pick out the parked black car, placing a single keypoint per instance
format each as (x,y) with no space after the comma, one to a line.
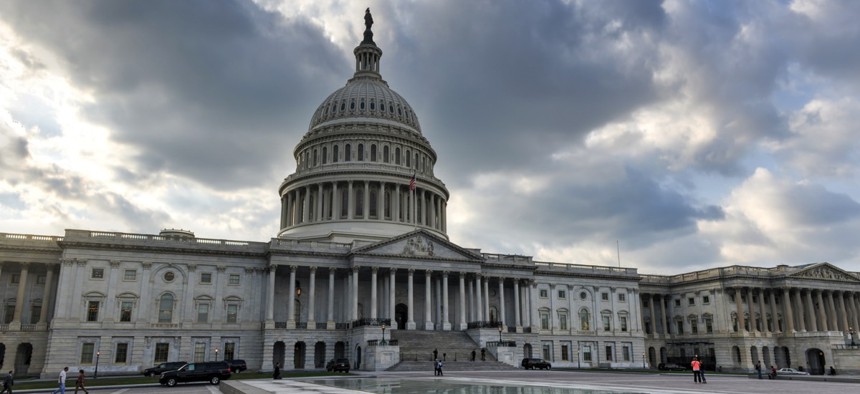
(671,367)
(339,365)
(536,363)
(163,367)
(237,365)
(213,372)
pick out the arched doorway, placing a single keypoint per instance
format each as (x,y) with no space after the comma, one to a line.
(2,353)
(527,350)
(299,355)
(787,355)
(358,357)
(815,360)
(493,314)
(22,358)
(652,356)
(339,350)
(319,355)
(765,355)
(278,353)
(662,355)
(400,315)
(754,355)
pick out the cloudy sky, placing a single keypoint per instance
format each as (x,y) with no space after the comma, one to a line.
(689,134)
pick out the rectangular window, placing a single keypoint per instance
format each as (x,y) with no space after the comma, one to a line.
(87,350)
(129,275)
(709,326)
(161,352)
(203,313)
(544,321)
(121,353)
(680,325)
(623,323)
(586,353)
(562,321)
(125,308)
(234,279)
(16,278)
(205,278)
(232,313)
(93,311)
(645,303)
(706,300)
(98,273)
(604,296)
(562,294)
(199,352)
(606,325)
(694,326)
(625,352)
(564,351)
(544,293)
(9,314)
(41,279)
(547,352)
(677,302)
(622,297)
(691,301)
(608,352)
(35,311)
(229,351)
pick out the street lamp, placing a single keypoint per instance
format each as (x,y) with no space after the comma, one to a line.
(96,373)
(851,333)
(383,335)
(216,354)
(643,361)
(500,334)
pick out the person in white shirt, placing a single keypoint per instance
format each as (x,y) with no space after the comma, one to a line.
(62,382)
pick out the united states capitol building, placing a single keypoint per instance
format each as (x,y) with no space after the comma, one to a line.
(362,268)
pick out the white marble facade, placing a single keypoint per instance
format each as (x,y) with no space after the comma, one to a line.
(363,242)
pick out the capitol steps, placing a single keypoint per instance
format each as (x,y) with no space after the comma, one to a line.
(453,347)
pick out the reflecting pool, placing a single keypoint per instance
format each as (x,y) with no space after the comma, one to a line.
(449,386)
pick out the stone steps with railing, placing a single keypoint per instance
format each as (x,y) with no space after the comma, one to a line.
(453,347)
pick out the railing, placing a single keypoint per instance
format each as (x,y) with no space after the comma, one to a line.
(428,356)
(28,327)
(153,237)
(321,326)
(341,326)
(377,342)
(371,322)
(593,269)
(31,237)
(845,347)
(527,330)
(502,344)
(281,324)
(302,324)
(165,325)
(484,324)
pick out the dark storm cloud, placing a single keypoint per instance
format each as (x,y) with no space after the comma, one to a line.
(213,90)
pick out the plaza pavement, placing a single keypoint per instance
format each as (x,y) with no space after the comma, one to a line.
(621,382)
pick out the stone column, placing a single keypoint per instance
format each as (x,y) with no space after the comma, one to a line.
(428,319)
(789,314)
(799,314)
(319,214)
(761,311)
(305,203)
(391,298)
(658,300)
(330,324)
(518,324)
(774,312)
(373,290)
(480,309)
(380,202)
(446,324)
(19,300)
(810,312)
(534,319)
(487,298)
(335,202)
(350,203)
(502,302)
(463,324)
(46,296)
(410,288)
(843,313)
(855,300)
(471,290)
(552,308)
(833,323)
(739,309)
(355,293)
(823,324)
(365,210)
(312,319)
(291,302)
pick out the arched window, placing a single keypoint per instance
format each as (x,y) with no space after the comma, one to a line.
(397,156)
(416,160)
(335,153)
(373,212)
(372,104)
(359,201)
(373,152)
(360,152)
(352,105)
(325,155)
(408,158)
(385,154)
(584,320)
(347,153)
(165,308)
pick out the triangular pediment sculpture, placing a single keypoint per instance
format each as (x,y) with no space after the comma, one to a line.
(418,244)
(827,272)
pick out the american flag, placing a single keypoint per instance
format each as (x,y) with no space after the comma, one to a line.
(412,183)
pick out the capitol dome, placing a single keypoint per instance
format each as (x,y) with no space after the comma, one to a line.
(364,170)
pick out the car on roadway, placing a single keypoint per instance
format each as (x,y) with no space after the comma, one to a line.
(535,363)
(339,365)
(237,365)
(163,367)
(790,371)
(213,372)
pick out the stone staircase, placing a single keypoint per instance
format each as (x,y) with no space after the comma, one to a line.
(453,347)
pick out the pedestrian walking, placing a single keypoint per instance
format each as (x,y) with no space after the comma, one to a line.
(62,382)
(772,374)
(8,382)
(439,366)
(436,367)
(473,354)
(758,368)
(277,373)
(79,382)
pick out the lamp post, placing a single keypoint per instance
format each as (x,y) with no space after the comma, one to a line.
(96,373)
(576,354)
(643,360)
(383,335)
(851,333)
(500,334)
(216,354)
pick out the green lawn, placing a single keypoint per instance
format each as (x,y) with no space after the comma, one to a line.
(137,380)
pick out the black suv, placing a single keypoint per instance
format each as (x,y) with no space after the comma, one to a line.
(213,372)
(539,363)
(237,365)
(339,365)
(163,367)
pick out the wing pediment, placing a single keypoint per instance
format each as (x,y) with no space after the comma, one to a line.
(827,272)
(418,244)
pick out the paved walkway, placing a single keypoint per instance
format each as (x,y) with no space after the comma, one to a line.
(622,382)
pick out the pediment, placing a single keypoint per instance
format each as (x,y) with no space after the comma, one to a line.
(418,244)
(825,271)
